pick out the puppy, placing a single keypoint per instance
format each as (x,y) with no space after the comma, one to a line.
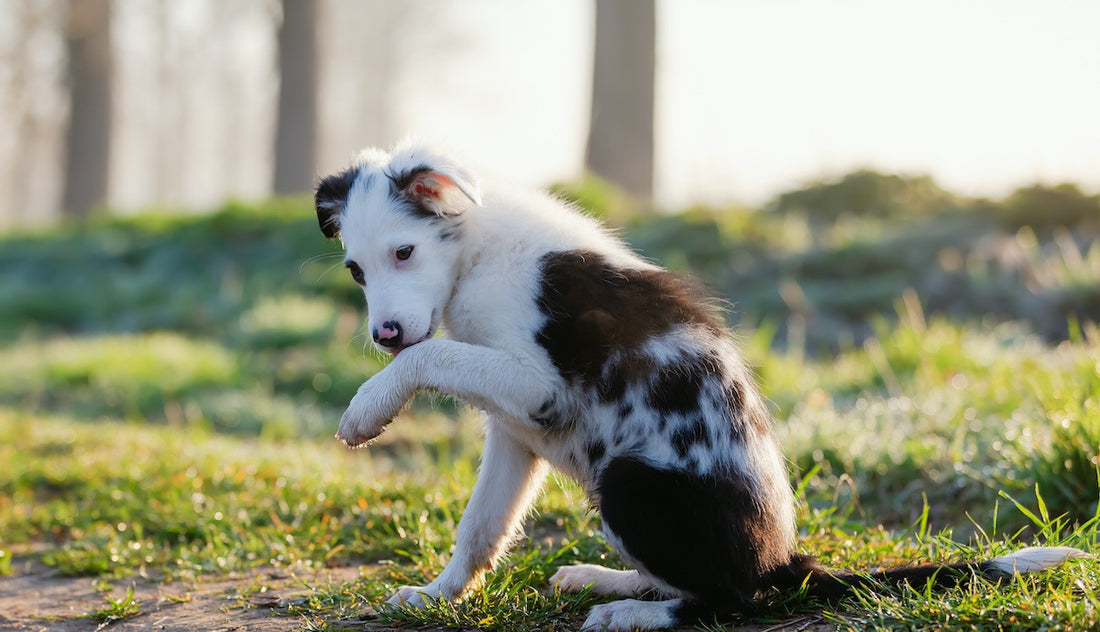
(589,360)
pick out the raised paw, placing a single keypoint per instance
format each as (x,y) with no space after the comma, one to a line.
(356,430)
(374,406)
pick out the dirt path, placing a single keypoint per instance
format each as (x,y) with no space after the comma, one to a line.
(36,598)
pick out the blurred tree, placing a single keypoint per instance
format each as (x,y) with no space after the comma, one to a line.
(620,136)
(866,193)
(1042,206)
(296,129)
(34,107)
(88,141)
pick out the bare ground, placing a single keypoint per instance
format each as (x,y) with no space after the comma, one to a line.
(37,598)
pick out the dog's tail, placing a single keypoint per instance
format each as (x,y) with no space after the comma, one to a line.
(829,584)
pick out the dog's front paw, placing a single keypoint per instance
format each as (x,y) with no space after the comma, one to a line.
(629,614)
(374,406)
(356,431)
(414,596)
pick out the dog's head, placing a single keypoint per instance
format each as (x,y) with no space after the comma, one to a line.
(400,218)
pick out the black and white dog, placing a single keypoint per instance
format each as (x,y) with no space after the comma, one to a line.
(589,360)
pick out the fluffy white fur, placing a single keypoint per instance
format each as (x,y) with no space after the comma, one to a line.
(1034,559)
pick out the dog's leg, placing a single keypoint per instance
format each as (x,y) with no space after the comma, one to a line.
(482,376)
(510,479)
(603,581)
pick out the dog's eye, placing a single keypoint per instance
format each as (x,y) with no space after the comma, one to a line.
(403,253)
(356,271)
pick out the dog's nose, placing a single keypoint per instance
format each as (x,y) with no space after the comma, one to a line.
(389,335)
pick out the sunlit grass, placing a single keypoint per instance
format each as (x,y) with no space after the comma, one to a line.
(117,609)
(115,499)
(925,429)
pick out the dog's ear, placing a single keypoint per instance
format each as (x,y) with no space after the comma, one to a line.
(438,192)
(433,182)
(330,198)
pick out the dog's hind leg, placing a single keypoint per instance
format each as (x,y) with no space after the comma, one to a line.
(509,481)
(603,581)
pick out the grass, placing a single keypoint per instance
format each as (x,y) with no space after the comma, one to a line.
(184,503)
(116,609)
(169,387)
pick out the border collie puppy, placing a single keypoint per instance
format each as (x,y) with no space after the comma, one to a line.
(589,360)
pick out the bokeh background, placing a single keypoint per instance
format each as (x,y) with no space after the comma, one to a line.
(130,104)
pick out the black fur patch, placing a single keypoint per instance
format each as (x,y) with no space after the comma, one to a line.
(731,403)
(625,371)
(331,198)
(689,435)
(676,387)
(755,418)
(625,409)
(596,450)
(708,538)
(593,309)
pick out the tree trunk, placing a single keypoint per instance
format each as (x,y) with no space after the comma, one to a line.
(88,141)
(295,134)
(620,137)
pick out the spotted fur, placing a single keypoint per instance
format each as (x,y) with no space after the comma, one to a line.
(589,360)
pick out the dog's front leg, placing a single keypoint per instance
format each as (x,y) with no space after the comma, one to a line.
(510,479)
(485,377)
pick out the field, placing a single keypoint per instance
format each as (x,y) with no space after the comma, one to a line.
(169,386)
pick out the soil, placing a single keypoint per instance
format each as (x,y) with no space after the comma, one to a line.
(37,598)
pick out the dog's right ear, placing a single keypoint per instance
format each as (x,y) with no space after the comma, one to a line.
(331,198)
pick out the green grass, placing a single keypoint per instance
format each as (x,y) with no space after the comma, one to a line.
(117,609)
(169,386)
(116,499)
(931,412)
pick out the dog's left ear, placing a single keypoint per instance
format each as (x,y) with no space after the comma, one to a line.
(433,182)
(331,198)
(439,192)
